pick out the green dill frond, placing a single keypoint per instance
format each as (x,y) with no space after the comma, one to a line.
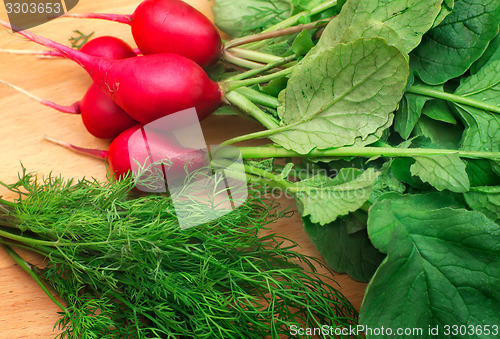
(125,268)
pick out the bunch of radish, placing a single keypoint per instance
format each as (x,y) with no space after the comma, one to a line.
(129,90)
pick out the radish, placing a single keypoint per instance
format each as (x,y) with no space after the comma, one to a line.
(146,87)
(170,26)
(108,47)
(141,146)
(104,46)
(100,115)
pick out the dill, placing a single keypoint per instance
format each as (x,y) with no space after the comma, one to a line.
(124,268)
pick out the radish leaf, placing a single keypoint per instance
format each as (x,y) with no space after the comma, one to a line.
(491,54)
(238,17)
(448,50)
(439,110)
(446,9)
(442,266)
(343,96)
(402,22)
(442,172)
(485,200)
(482,131)
(324,199)
(439,133)
(345,252)
(408,113)
(481,172)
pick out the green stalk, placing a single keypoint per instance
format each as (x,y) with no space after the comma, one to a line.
(255,135)
(254,55)
(243,103)
(430,92)
(261,173)
(229,86)
(257,71)
(26,240)
(265,35)
(226,56)
(259,97)
(366,152)
(253,174)
(7,203)
(39,249)
(36,242)
(293,21)
(27,268)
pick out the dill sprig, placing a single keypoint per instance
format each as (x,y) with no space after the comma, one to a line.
(124,268)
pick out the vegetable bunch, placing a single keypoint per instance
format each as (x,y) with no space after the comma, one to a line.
(390,111)
(124,268)
(393,109)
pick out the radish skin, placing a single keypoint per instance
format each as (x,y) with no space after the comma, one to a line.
(108,47)
(140,146)
(101,116)
(170,26)
(146,87)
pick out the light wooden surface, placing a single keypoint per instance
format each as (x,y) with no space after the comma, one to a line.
(25,311)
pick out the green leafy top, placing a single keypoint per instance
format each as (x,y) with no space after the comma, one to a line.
(449,49)
(346,95)
(442,265)
(240,17)
(402,23)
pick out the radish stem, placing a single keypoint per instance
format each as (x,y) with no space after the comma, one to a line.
(122,18)
(259,97)
(254,55)
(257,71)
(366,152)
(231,58)
(249,107)
(99,154)
(430,92)
(275,33)
(73,109)
(229,86)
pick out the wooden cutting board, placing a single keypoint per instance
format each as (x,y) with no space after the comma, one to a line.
(25,311)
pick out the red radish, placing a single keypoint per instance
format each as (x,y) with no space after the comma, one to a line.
(140,146)
(108,47)
(170,26)
(100,115)
(146,87)
(104,46)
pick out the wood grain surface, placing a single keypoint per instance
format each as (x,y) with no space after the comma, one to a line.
(25,311)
